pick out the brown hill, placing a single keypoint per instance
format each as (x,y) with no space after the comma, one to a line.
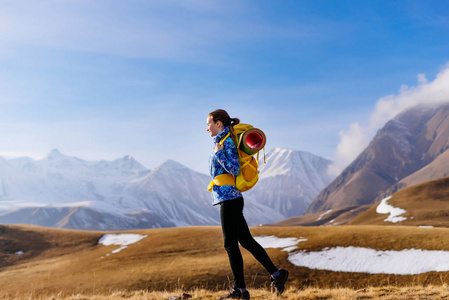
(425,204)
(331,217)
(67,262)
(415,140)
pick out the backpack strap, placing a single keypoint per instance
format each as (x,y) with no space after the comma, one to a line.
(224,139)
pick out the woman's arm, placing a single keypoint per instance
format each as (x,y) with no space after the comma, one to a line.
(228,157)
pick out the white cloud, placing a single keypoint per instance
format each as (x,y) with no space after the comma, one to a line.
(352,142)
(356,138)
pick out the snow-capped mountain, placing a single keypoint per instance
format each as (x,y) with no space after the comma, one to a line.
(56,178)
(67,192)
(290,180)
(175,192)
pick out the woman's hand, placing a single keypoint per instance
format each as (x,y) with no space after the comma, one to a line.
(218,147)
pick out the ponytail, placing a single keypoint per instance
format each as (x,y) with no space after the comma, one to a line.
(234,121)
(222,116)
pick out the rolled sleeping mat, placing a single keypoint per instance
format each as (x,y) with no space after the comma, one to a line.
(252,141)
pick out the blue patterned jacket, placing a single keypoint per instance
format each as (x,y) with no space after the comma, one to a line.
(221,162)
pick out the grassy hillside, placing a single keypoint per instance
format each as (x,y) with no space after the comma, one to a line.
(426,204)
(330,218)
(72,262)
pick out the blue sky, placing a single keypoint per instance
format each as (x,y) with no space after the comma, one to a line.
(103,79)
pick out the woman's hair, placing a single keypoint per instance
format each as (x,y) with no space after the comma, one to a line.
(222,116)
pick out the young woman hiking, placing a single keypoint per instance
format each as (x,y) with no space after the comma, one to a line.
(224,160)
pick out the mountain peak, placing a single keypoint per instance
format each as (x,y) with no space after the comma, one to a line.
(167,169)
(287,161)
(127,162)
(54,154)
(280,150)
(127,159)
(171,164)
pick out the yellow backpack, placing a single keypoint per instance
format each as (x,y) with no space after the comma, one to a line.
(249,142)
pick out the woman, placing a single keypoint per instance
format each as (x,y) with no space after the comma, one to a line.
(224,160)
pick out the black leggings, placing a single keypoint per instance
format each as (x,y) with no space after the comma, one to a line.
(235,230)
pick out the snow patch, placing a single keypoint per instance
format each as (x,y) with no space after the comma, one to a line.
(123,240)
(395,212)
(323,214)
(271,241)
(20,253)
(361,260)
(365,260)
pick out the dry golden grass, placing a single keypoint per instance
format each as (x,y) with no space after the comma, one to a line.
(67,264)
(374,293)
(71,262)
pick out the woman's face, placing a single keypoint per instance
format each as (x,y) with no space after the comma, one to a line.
(214,128)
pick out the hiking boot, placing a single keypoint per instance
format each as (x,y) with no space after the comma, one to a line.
(279,282)
(235,293)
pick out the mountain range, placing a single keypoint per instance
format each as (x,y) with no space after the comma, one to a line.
(68,192)
(411,148)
